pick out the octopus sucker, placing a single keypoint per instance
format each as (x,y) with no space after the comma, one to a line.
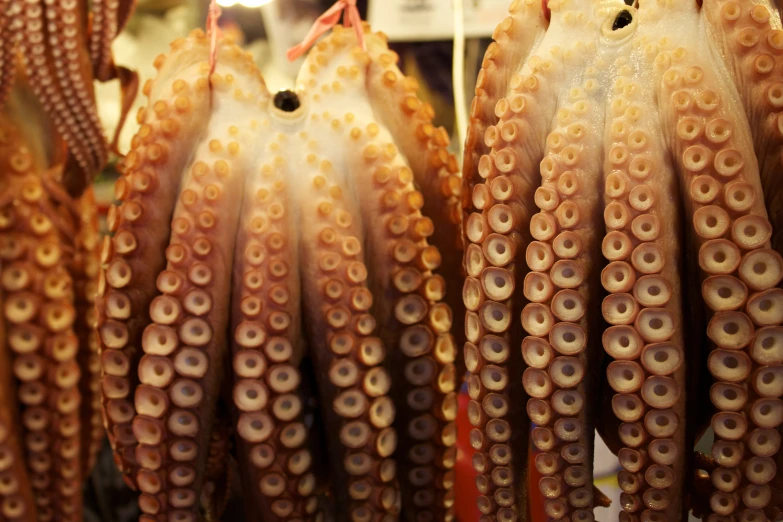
(435,171)
(554,312)
(7,53)
(267,348)
(638,131)
(86,267)
(108,20)
(70,103)
(646,336)
(280,224)
(692,92)
(147,195)
(48,277)
(750,39)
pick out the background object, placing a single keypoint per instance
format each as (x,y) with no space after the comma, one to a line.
(423,20)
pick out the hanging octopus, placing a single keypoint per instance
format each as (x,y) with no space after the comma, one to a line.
(623,217)
(280,287)
(51,145)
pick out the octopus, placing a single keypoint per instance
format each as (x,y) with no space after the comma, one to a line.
(51,145)
(281,289)
(623,219)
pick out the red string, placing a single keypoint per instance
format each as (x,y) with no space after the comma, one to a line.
(328,20)
(212,30)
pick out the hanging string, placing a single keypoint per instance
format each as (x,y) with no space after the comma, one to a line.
(213,29)
(458,73)
(328,20)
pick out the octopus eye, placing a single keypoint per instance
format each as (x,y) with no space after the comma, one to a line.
(287,101)
(623,19)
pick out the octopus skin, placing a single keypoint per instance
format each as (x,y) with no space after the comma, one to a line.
(259,235)
(620,165)
(50,422)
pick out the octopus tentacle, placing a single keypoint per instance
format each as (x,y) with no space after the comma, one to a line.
(503,223)
(513,40)
(423,308)
(108,19)
(720,180)
(392,259)
(86,267)
(752,40)
(8,56)
(435,171)
(414,324)
(39,314)
(345,343)
(563,307)
(141,227)
(182,367)
(363,402)
(60,76)
(267,348)
(645,339)
(16,500)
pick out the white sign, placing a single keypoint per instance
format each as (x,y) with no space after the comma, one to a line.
(416,20)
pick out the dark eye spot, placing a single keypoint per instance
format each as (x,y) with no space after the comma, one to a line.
(288,101)
(623,19)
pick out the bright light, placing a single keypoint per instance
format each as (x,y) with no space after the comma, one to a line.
(244,3)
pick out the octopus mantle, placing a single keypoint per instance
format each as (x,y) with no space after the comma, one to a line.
(258,236)
(623,198)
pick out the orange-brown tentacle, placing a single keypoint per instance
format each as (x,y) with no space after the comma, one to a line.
(267,349)
(435,172)
(725,212)
(8,56)
(60,76)
(15,276)
(108,19)
(85,269)
(40,315)
(140,223)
